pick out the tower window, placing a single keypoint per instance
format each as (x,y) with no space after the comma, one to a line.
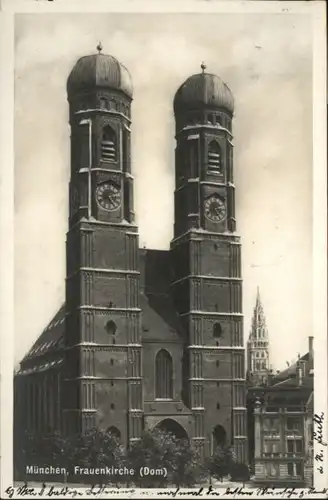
(108,144)
(217,406)
(163,375)
(112,406)
(110,327)
(214,156)
(112,362)
(217,364)
(210,118)
(103,103)
(217,330)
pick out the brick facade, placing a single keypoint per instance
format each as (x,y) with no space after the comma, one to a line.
(124,304)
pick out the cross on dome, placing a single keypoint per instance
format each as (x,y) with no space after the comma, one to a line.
(203,66)
(99,47)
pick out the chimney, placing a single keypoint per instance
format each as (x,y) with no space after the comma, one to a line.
(310,352)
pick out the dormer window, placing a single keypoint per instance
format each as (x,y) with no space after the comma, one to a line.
(108,144)
(214,157)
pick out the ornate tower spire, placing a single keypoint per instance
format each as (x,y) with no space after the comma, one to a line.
(258,345)
(259,329)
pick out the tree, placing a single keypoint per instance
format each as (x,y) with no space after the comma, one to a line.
(161,450)
(187,467)
(98,449)
(153,451)
(221,462)
(240,472)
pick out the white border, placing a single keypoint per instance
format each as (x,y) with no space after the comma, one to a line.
(9,8)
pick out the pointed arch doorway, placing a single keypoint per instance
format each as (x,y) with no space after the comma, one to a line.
(172,426)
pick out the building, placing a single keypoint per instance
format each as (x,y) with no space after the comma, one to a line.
(258,367)
(283,426)
(146,337)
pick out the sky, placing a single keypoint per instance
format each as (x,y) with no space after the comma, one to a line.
(266,60)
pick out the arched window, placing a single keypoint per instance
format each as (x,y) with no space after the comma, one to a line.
(163,375)
(262,354)
(110,327)
(263,366)
(214,156)
(108,144)
(217,330)
(103,103)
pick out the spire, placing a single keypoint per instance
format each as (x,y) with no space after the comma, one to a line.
(259,329)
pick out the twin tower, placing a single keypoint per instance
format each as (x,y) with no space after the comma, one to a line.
(152,338)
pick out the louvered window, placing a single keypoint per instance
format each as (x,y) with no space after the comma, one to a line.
(214,157)
(108,144)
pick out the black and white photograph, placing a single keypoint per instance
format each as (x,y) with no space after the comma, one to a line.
(168,231)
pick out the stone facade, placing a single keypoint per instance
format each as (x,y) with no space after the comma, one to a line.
(283,427)
(147,337)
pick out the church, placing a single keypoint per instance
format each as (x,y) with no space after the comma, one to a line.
(145,337)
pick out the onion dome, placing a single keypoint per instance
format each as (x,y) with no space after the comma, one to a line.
(203,89)
(99,71)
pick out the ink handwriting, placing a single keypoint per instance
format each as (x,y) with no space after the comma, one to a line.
(317,434)
(208,491)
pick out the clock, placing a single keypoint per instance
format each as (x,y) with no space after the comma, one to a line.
(108,196)
(215,208)
(75,200)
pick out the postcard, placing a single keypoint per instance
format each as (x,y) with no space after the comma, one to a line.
(163,249)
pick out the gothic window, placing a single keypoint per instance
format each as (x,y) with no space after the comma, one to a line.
(108,144)
(214,156)
(103,103)
(163,375)
(110,327)
(210,118)
(217,330)
(192,146)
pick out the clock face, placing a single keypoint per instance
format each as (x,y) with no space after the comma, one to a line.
(108,196)
(75,201)
(215,209)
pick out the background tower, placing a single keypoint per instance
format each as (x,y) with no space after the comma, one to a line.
(258,366)
(206,253)
(102,381)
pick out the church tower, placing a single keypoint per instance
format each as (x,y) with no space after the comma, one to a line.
(102,384)
(206,252)
(258,346)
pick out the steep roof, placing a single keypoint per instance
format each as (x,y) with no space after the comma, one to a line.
(160,321)
(51,339)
